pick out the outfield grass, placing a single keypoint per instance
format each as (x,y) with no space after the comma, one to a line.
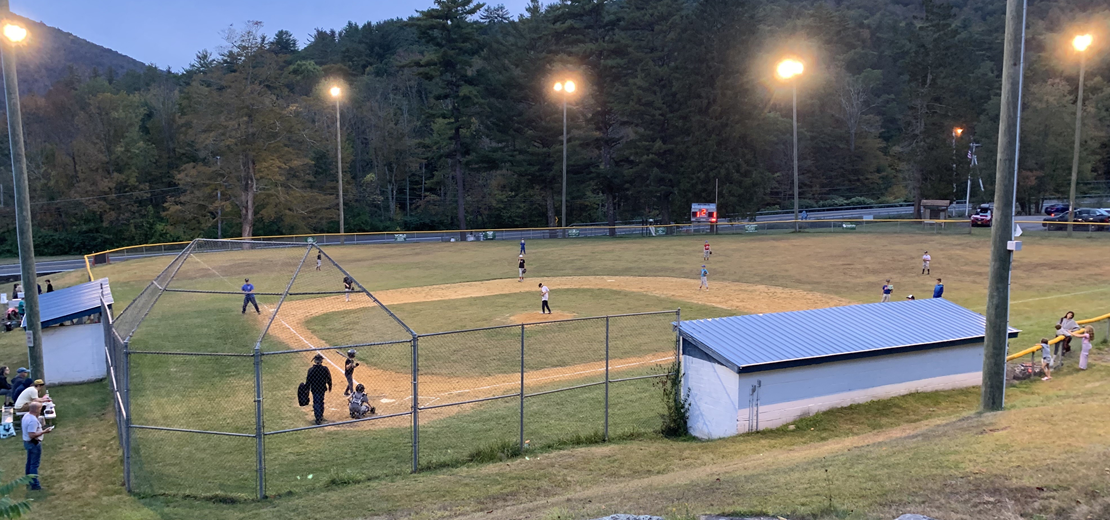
(923,452)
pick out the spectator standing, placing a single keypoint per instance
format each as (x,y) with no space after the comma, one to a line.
(39,287)
(1087,335)
(49,286)
(319,382)
(248,296)
(349,371)
(520,269)
(887,289)
(938,289)
(925,259)
(33,433)
(1068,324)
(544,292)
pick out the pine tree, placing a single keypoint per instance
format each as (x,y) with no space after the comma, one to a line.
(452,42)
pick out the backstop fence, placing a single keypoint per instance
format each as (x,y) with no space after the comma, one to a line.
(207,400)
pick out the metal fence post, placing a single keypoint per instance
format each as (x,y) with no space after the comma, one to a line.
(606,431)
(126,416)
(415,404)
(521,388)
(261,451)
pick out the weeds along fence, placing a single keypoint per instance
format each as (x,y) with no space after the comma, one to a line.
(858,226)
(206,387)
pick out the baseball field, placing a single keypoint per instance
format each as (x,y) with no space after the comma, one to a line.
(438,287)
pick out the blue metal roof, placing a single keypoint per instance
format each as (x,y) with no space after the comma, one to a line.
(806,337)
(72,302)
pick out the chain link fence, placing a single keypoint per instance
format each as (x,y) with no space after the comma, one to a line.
(734,227)
(206,379)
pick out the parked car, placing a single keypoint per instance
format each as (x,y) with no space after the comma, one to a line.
(1053,210)
(1082,215)
(982,216)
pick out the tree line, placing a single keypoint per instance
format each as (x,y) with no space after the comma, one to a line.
(449,119)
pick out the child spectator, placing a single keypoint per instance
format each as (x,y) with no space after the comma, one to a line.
(1087,334)
(1046,360)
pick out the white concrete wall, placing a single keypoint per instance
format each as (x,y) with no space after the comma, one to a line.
(712,390)
(74,354)
(788,394)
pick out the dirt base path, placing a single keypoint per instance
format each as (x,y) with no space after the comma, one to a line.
(392,391)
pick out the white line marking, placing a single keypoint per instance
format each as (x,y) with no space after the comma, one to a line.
(1061,295)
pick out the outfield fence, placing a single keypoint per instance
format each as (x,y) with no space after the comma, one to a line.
(852,225)
(206,398)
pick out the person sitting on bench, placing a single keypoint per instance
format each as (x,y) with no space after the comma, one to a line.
(30,395)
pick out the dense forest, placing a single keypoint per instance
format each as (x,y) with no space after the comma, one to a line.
(449,119)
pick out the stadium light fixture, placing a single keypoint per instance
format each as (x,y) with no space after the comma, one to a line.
(336,91)
(567,88)
(788,70)
(14,32)
(1081,43)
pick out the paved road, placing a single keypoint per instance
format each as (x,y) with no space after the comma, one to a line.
(50,266)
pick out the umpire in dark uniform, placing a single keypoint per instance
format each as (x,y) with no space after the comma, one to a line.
(318,381)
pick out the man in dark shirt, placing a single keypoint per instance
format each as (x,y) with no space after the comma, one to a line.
(349,372)
(49,286)
(318,381)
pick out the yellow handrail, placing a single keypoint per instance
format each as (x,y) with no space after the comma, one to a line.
(1093,320)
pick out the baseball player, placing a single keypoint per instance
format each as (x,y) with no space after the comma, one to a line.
(707,252)
(522,247)
(887,289)
(319,260)
(348,285)
(349,366)
(704,278)
(248,296)
(544,307)
(925,259)
(520,269)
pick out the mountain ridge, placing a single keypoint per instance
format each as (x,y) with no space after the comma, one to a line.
(48,54)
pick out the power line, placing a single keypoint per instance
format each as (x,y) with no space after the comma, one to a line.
(44,202)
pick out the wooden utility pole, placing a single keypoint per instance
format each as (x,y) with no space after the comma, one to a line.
(1002,229)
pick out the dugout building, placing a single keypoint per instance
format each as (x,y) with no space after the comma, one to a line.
(72,336)
(746,373)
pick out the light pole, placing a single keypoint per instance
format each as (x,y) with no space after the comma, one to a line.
(1080,43)
(335,92)
(566,88)
(13,35)
(789,69)
(957,132)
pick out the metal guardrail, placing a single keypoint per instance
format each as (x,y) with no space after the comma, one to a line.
(1036,348)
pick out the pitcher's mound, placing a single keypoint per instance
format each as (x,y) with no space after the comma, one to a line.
(532,317)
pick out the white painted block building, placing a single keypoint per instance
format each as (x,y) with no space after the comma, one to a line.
(72,333)
(746,373)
